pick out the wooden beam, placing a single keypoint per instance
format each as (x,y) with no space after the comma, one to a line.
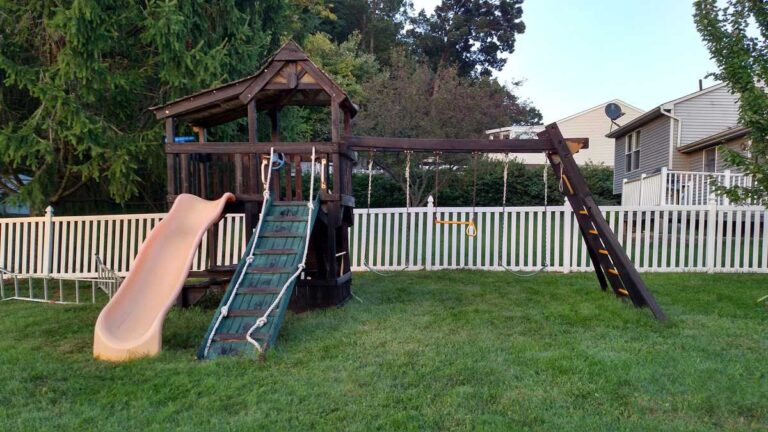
(303,148)
(199,100)
(449,145)
(261,80)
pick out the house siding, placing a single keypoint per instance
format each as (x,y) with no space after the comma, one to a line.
(654,152)
(707,114)
(697,157)
(594,125)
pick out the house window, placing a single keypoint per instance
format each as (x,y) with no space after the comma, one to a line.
(710,160)
(632,151)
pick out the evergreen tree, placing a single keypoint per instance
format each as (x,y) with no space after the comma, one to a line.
(76,80)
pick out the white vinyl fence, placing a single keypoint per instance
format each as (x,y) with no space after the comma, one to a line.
(668,239)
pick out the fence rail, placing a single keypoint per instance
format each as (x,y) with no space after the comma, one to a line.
(707,238)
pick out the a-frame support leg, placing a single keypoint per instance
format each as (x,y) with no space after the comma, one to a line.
(609,258)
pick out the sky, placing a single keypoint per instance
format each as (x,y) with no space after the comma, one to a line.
(578,54)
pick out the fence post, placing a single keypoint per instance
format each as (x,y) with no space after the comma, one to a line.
(642,182)
(429,226)
(664,187)
(711,240)
(727,181)
(567,235)
(48,241)
(623,192)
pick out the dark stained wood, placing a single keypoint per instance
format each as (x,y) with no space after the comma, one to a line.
(302,148)
(170,136)
(290,51)
(197,101)
(449,145)
(622,274)
(260,81)
(299,178)
(253,129)
(249,312)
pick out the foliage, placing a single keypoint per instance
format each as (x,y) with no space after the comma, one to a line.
(525,185)
(77,80)
(412,101)
(451,350)
(736,33)
(471,35)
(380,24)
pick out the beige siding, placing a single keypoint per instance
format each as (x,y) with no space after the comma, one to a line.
(654,152)
(592,124)
(707,114)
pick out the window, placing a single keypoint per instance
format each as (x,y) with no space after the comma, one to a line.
(710,159)
(632,151)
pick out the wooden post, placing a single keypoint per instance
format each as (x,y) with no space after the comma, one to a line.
(335,116)
(275,137)
(170,137)
(253,138)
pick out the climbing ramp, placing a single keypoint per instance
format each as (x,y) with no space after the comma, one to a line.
(275,263)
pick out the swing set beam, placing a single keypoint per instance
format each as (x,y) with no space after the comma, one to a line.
(389,144)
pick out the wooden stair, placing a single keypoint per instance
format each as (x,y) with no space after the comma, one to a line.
(278,253)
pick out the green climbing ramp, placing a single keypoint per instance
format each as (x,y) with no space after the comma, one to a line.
(279,250)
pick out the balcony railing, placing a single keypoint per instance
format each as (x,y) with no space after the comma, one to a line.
(680,188)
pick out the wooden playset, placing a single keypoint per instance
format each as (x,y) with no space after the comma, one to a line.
(298,255)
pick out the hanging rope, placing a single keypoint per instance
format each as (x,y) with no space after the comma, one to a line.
(224,311)
(261,322)
(407,211)
(545,225)
(471,227)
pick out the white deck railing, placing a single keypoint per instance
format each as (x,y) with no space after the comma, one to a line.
(679,188)
(708,238)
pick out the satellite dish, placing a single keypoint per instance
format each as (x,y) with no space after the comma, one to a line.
(613,111)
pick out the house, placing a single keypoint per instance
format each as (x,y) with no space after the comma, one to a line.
(11,210)
(662,155)
(591,123)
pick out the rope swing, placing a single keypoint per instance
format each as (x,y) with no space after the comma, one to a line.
(408,154)
(545,225)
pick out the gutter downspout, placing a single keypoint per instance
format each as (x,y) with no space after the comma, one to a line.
(672,132)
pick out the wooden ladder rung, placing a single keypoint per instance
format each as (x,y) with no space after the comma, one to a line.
(603,251)
(583,211)
(262,290)
(622,291)
(270,270)
(276,252)
(281,234)
(289,203)
(613,271)
(286,219)
(239,337)
(249,312)
(593,231)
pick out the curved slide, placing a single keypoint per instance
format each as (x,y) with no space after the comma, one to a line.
(131,324)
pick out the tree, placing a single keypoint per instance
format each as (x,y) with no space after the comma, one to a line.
(405,102)
(736,35)
(348,66)
(380,24)
(471,35)
(76,81)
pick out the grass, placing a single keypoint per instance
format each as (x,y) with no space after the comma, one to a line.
(424,351)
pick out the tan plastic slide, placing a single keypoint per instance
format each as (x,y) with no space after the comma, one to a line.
(131,324)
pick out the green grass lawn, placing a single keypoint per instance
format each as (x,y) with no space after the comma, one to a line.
(424,351)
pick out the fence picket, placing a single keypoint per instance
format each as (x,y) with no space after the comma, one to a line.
(668,238)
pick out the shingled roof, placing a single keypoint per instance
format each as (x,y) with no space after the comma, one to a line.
(289,77)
